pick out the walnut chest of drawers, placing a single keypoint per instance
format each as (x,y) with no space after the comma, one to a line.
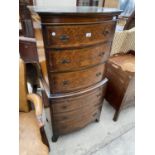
(77,44)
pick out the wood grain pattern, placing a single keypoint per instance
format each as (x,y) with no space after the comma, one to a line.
(77,44)
(50,15)
(73,59)
(71,116)
(72,113)
(78,35)
(72,19)
(71,81)
(72,103)
(77,125)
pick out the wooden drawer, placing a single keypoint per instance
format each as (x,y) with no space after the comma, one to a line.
(71,81)
(75,112)
(58,36)
(78,102)
(72,59)
(75,115)
(76,124)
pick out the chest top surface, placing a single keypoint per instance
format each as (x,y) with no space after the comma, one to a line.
(74,10)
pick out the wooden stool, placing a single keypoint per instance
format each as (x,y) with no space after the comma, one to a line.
(120,71)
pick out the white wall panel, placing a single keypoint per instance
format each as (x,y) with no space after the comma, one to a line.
(57,3)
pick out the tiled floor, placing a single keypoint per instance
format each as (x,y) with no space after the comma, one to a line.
(103,138)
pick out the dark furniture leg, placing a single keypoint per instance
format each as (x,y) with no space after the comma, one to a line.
(55,138)
(98,115)
(116,115)
(98,118)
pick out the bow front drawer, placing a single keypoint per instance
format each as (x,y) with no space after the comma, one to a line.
(77,123)
(72,113)
(72,59)
(91,99)
(71,81)
(58,36)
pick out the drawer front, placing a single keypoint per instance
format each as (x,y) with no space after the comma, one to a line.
(78,35)
(74,103)
(76,114)
(77,111)
(70,81)
(62,127)
(60,60)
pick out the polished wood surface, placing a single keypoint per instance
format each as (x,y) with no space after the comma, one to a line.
(72,103)
(73,113)
(72,15)
(73,59)
(45,86)
(69,36)
(77,36)
(76,80)
(77,43)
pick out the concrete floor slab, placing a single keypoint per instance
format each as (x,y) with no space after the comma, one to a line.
(94,136)
(123,145)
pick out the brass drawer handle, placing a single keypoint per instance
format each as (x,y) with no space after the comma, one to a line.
(101,54)
(106,32)
(64,107)
(65,82)
(65,61)
(64,37)
(65,117)
(98,74)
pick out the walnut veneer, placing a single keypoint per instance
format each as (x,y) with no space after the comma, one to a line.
(77,44)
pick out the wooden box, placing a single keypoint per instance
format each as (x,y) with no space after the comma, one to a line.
(28,49)
(120,71)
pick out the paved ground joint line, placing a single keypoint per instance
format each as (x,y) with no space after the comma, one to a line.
(103,146)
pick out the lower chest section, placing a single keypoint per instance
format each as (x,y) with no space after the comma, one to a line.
(72,113)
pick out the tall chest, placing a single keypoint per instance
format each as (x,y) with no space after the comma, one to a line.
(77,44)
